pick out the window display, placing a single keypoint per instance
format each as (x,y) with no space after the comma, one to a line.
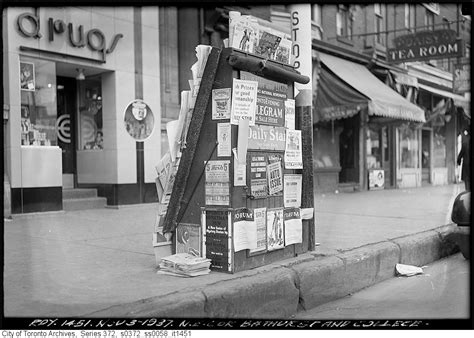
(91,135)
(409,147)
(374,154)
(439,147)
(38,102)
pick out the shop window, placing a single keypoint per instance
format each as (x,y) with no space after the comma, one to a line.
(326,146)
(409,148)
(374,151)
(38,102)
(439,147)
(90,115)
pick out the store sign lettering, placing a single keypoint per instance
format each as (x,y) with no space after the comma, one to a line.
(426,45)
(29,26)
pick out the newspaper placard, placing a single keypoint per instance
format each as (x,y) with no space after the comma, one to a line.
(275,179)
(217,193)
(244,101)
(258,174)
(217,239)
(217,183)
(260,216)
(266,137)
(293,226)
(223,140)
(271,96)
(217,171)
(245,231)
(290,117)
(293,150)
(221,103)
(292,190)
(275,237)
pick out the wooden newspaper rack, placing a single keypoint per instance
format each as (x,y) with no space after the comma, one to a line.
(198,203)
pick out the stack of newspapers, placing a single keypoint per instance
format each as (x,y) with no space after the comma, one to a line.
(184,265)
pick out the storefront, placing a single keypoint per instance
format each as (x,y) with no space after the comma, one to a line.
(69,75)
(365,133)
(444,123)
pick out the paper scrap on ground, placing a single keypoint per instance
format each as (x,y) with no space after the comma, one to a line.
(408,270)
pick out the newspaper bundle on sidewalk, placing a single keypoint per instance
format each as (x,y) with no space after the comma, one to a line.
(184,265)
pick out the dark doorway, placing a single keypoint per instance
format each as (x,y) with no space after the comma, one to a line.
(348,150)
(425,156)
(66,126)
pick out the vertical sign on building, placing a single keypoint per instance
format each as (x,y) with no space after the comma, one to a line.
(301,49)
(303,63)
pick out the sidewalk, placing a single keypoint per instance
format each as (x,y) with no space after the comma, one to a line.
(101,262)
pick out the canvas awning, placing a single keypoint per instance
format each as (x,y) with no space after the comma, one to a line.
(361,88)
(458,100)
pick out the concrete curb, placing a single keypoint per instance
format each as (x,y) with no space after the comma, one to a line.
(282,289)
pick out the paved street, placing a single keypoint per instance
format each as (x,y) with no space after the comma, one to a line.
(442,292)
(77,262)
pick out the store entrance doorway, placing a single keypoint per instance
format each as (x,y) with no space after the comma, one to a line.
(425,156)
(66,127)
(387,155)
(348,150)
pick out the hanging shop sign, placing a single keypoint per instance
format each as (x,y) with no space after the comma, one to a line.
(426,45)
(29,26)
(462,78)
(139,120)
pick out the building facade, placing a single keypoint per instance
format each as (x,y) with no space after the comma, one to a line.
(67,128)
(411,153)
(74,77)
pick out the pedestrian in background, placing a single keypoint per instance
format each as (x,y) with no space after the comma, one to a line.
(465,155)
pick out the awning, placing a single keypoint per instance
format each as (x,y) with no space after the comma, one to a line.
(335,99)
(405,79)
(381,99)
(459,100)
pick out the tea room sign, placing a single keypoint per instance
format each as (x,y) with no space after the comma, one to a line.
(425,45)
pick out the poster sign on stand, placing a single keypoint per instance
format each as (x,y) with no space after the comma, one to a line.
(217,238)
(376,179)
(275,235)
(244,101)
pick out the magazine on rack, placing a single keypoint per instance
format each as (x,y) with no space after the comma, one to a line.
(249,36)
(245,34)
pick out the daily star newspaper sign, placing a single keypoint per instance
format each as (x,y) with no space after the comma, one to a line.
(425,45)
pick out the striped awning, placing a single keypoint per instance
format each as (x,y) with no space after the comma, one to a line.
(380,99)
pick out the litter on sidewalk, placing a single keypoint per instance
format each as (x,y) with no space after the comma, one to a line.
(184,265)
(408,270)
